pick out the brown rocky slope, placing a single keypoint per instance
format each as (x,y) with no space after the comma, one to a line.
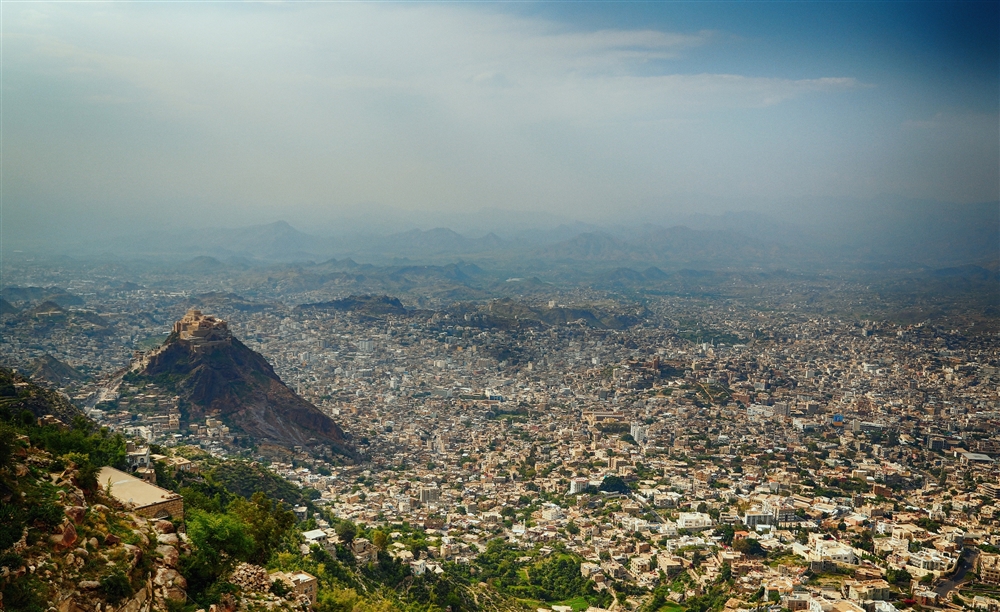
(222,376)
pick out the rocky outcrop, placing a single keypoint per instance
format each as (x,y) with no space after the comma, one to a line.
(241,387)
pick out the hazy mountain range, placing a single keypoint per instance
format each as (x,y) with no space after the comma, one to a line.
(890,234)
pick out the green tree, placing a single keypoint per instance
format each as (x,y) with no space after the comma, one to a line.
(380,539)
(346,531)
(726,573)
(749,547)
(219,541)
(86,471)
(267,522)
(899,577)
(727,532)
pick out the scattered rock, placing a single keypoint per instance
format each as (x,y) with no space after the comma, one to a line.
(112,540)
(226,604)
(88,585)
(76,513)
(22,544)
(67,538)
(166,576)
(76,498)
(92,542)
(251,578)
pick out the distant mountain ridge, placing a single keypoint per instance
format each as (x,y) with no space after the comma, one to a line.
(367,304)
(814,234)
(28,295)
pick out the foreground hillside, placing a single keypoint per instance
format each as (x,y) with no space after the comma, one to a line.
(62,541)
(66,541)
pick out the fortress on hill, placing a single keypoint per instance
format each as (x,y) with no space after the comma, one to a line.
(195,330)
(202,331)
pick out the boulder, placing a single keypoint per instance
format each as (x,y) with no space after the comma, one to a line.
(67,538)
(112,540)
(136,553)
(168,538)
(88,585)
(76,513)
(168,577)
(174,593)
(164,526)
(169,554)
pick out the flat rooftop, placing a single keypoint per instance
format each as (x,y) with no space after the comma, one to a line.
(132,490)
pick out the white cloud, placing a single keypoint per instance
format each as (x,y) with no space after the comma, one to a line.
(422,105)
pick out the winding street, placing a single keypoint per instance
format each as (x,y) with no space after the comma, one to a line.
(965,563)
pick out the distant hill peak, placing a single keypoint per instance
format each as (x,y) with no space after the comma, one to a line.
(8,308)
(47,307)
(50,369)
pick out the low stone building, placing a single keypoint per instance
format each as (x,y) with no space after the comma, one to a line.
(301,583)
(139,496)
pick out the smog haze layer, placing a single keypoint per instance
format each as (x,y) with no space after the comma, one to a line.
(380,118)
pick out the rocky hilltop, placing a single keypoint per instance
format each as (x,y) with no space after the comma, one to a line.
(217,375)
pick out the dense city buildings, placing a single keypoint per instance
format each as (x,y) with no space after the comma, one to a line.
(819,461)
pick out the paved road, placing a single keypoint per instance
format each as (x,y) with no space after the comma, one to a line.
(965,563)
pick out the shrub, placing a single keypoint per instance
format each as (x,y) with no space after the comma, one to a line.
(116,587)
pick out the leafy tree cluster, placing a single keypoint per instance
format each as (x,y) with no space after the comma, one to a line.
(749,547)
(250,530)
(554,578)
(898,577)
(615,484)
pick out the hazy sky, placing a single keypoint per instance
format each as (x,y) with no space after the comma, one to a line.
(247,112)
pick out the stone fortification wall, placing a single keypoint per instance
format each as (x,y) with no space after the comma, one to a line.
(202,330)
